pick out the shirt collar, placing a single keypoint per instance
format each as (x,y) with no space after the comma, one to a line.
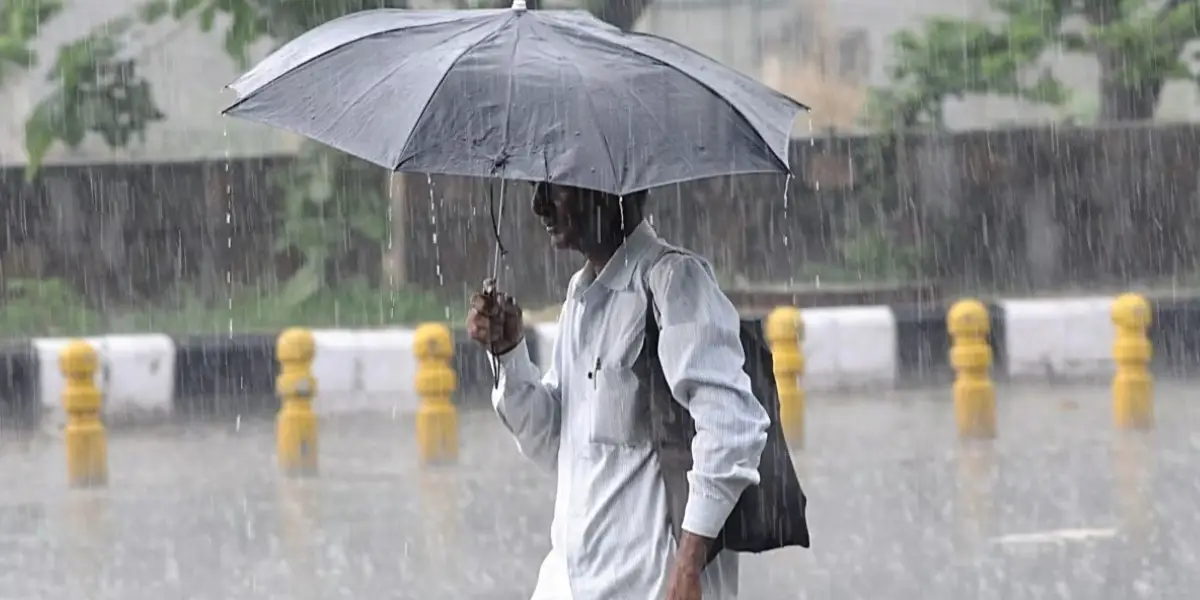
(617,274)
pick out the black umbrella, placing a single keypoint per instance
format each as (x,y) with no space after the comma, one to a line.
(553,96)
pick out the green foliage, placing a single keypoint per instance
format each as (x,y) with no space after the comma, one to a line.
(20,21)
(52,308)
(874,253)
(1139,45)
(45,307)
(351,304)
(328,198)
(99,90)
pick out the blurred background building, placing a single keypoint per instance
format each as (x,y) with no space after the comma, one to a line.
(827,54)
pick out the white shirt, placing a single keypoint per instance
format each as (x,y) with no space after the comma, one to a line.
(586,419)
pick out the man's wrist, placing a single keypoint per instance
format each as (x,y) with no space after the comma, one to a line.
(507,352)
(692,553)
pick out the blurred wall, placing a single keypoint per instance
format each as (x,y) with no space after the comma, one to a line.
(1018,210)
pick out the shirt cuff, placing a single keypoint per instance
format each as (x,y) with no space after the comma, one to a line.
(516,364)
(705,516)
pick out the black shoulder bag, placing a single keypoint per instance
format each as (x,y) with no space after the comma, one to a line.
(769,515)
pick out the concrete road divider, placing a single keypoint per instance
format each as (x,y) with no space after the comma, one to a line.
(1058,339)
(875,347)
(225,375)
(20,399)
(365,371)
(850,348)
(136,373)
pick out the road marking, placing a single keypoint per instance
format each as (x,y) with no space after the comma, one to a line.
(1055,536)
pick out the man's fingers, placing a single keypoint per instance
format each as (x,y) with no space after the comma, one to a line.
(503,301)
(483,303)
(486,329)
(492,317)
(507,305)
(479,326)
(496,330)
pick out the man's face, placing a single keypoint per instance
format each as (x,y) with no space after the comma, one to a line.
(571,216)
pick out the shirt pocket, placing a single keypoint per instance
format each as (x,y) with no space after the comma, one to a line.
(618,413)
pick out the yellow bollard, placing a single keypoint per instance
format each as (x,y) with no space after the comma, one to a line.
(1132,386)
(85,436)
(437,419)
(971,357)
(296,426)
(785,334)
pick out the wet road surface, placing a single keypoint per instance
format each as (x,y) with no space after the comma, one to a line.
(1058,507)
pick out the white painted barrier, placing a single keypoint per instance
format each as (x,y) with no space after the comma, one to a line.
(374,370)
(849,348)
(136,372)
(844,348)
(1058,339)
(365,371)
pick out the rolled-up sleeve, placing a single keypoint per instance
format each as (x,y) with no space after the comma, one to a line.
(703,361)
(529,404)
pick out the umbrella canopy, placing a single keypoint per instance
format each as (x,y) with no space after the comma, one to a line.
(556,96)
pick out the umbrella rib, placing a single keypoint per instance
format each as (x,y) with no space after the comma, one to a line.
(387,75)
(322,54)
(661,127)
(607,42)
(612,163)
(396,161)
(512,83)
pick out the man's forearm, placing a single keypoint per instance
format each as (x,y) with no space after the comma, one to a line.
(730,435)
(701,328)
(692,553)
(528,408)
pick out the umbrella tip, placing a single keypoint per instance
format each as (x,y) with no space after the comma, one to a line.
(518,5)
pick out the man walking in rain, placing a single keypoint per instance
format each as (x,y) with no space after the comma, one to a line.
(587,418)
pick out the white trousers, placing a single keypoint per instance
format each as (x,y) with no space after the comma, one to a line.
(719,579)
